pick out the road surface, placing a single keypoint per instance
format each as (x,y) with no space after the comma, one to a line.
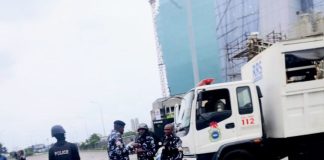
(85,155)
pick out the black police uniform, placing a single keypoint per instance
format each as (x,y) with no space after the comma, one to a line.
(116,147)
(64,151)
(2,157)
(147,144)
(172,144)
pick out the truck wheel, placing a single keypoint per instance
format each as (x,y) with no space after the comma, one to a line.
(238,155)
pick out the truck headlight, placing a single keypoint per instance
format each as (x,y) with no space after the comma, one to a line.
(186,150)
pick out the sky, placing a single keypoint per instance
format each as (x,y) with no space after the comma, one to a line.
(74,63)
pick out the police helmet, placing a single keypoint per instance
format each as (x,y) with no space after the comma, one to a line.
(57,129)
(120,123)
(142,126)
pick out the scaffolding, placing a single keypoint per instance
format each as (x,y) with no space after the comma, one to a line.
(237,31)
(244,48)
(161,65)
(236,19)
(253,45)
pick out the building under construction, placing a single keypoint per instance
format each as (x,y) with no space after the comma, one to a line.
(247,27)
(214,38)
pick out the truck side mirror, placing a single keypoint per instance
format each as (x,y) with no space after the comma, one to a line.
(199,101)
(259,92)
(200,98)
(176,113)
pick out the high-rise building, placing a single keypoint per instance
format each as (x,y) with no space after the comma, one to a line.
(236,19)
(187,42)
(134,124)
(198,39)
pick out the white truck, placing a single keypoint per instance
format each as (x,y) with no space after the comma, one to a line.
(276,111)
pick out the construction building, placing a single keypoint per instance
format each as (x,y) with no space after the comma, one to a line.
(214,38)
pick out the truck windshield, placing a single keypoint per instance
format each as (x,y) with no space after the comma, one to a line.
(185,114)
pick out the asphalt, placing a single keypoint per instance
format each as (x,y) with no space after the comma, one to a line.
(85,155)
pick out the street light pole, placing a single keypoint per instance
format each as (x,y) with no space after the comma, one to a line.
(102,121)
(101,117)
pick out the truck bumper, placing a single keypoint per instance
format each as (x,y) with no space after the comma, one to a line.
(189,157)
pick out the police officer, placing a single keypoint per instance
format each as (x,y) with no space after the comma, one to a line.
(62,150)
(2,157)
(172,149)
(116,147)
(21,155)
(144,143)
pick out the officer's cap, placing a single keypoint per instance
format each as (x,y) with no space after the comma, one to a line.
(120,123)
(142,126)
(57,129)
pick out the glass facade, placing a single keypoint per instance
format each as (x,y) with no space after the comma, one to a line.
(175,30)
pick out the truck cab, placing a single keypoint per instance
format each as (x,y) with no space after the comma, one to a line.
(215,116)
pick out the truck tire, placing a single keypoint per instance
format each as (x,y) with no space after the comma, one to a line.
(238,155)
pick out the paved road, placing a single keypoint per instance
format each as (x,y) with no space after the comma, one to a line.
(88,155)
(85,155)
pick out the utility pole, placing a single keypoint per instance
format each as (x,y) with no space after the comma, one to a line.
(101,117)
(102,121)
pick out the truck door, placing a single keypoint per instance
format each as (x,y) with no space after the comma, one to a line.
(249,125)
(215,123)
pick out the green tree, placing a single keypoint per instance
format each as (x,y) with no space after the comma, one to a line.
(83,146)
(2,149)
(29,151)
(129,133)
(91,142)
